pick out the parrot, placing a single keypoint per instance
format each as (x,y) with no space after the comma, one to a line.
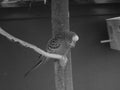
(60,44)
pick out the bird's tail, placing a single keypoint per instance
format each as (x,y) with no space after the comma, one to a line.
(42,60)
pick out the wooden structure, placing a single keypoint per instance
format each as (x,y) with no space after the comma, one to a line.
(113,25)
(60,21)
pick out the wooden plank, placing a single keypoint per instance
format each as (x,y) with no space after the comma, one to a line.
(60,22)
(113,25)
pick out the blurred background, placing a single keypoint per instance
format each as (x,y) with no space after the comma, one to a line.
(95,66)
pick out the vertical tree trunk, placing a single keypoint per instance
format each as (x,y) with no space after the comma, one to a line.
(60,22)
(60,15)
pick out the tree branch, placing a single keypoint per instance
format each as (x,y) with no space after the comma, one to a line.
(31,46)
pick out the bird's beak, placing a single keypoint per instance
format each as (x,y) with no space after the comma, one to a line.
(75,39)
(73,44)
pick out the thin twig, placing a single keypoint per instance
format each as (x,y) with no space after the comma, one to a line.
(105,41)
(31,46)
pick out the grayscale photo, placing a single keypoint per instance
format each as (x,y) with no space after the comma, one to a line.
(59,44)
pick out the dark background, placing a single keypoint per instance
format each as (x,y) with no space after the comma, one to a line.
(95,65)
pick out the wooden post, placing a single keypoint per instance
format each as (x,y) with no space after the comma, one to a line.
(60,22)
(113,25)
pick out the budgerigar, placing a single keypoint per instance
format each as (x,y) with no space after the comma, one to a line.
(60,44)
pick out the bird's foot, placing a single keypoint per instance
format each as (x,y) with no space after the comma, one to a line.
(63,61)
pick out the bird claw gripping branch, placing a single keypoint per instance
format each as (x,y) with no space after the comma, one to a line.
(63,61)
(60,44)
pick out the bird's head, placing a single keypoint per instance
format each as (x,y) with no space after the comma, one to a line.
(74,39)
(69,37)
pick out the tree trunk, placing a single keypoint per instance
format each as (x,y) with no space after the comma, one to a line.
(60,22)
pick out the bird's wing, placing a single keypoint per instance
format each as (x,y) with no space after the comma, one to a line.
(54,46)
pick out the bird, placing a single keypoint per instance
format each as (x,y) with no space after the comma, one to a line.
(60,44)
